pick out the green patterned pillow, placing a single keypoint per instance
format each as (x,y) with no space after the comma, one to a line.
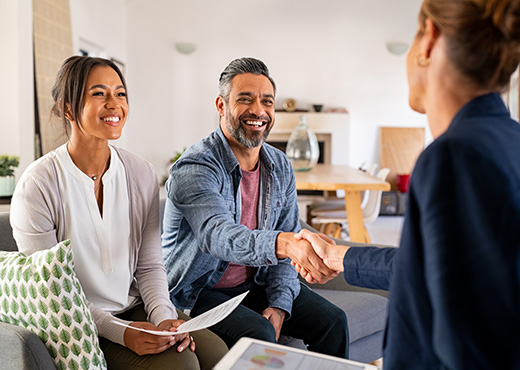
(42,293)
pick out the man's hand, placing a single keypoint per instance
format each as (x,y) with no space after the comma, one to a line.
(331,254)
(301,253)
(276,317)
(144,343)
(185,338)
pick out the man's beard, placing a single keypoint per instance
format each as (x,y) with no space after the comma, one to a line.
(239,133)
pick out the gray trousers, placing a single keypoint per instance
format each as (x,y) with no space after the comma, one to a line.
(209,350)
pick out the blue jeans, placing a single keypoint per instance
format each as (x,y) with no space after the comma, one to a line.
(321,325)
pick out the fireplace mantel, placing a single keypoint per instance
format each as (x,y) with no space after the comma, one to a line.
(325,125)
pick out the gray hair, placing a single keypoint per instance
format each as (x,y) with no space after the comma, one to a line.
(240,66)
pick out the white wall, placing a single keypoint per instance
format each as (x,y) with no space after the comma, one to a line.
(16,71)
(331,52)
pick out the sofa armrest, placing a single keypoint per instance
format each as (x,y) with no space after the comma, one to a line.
(21,349)
(339,283)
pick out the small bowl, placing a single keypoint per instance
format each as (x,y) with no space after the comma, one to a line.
(317,107)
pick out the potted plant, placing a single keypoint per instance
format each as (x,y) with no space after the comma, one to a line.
(170,162)
(7,165)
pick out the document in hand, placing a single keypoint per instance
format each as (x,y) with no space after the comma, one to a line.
(202,321)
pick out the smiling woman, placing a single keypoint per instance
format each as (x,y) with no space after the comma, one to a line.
(105,200)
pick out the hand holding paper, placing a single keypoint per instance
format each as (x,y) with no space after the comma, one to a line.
(203,321)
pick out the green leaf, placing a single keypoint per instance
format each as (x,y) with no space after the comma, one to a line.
(65,336)
(51,349)
(61,254)
(10,274)
(49,256)
(77,316)
(55,288)
(43,307)
(54,321)
(54,306)
(5,305)
(66,303)
(54,336)
(23,291)
(33,291)
(33,307)
(46,273)
(61,365)
(77,299)
(73,365)
(44,323)
(75,349)
(44,291)
(7,291)
(87,330)
(85,363)
(33,322)
(66,319)
(87,346)
(24,308)
(14,289)
(57,271)
(76,334)
(15,307)
(44,336)
(66,285)
(27,274)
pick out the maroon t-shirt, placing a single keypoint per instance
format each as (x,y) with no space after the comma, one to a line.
(249,191)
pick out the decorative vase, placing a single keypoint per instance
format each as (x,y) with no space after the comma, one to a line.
(302,148)
(6,186)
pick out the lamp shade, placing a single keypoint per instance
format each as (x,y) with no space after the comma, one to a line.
(185,47)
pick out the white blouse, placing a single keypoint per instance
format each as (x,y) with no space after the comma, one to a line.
(100,244)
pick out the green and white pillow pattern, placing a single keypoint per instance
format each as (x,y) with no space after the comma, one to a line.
(42,293)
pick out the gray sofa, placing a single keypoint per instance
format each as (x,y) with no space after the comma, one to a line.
(366,312)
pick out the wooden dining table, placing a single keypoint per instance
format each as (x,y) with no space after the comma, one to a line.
(328,177)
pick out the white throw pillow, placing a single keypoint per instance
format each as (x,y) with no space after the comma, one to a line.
(42,293)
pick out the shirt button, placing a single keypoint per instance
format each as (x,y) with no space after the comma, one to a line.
(269,262)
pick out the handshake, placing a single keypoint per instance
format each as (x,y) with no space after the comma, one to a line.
(316,257)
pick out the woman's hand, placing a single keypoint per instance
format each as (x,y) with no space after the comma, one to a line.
(185,339)
(144,343)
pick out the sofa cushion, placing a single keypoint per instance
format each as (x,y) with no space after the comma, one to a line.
(366,312)
(42,293)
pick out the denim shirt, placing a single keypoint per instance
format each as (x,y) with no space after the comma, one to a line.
(202,232)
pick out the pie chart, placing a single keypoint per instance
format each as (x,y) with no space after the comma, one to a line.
(267,362)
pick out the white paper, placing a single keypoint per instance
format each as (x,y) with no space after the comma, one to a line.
(202,321)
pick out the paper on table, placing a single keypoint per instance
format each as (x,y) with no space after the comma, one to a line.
(202,321)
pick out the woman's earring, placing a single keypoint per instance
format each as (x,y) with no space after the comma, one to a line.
(421,61)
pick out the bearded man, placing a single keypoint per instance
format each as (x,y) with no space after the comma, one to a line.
(229,225)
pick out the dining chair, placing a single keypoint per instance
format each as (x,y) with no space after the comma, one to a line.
(331,218)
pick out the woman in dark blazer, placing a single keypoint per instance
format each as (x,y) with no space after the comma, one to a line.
(455,280)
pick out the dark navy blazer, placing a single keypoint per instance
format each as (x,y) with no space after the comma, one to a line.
(455,280)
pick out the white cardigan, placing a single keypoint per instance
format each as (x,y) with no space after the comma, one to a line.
(38,222)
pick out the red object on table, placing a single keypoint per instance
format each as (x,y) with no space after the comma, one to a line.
(403,181)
